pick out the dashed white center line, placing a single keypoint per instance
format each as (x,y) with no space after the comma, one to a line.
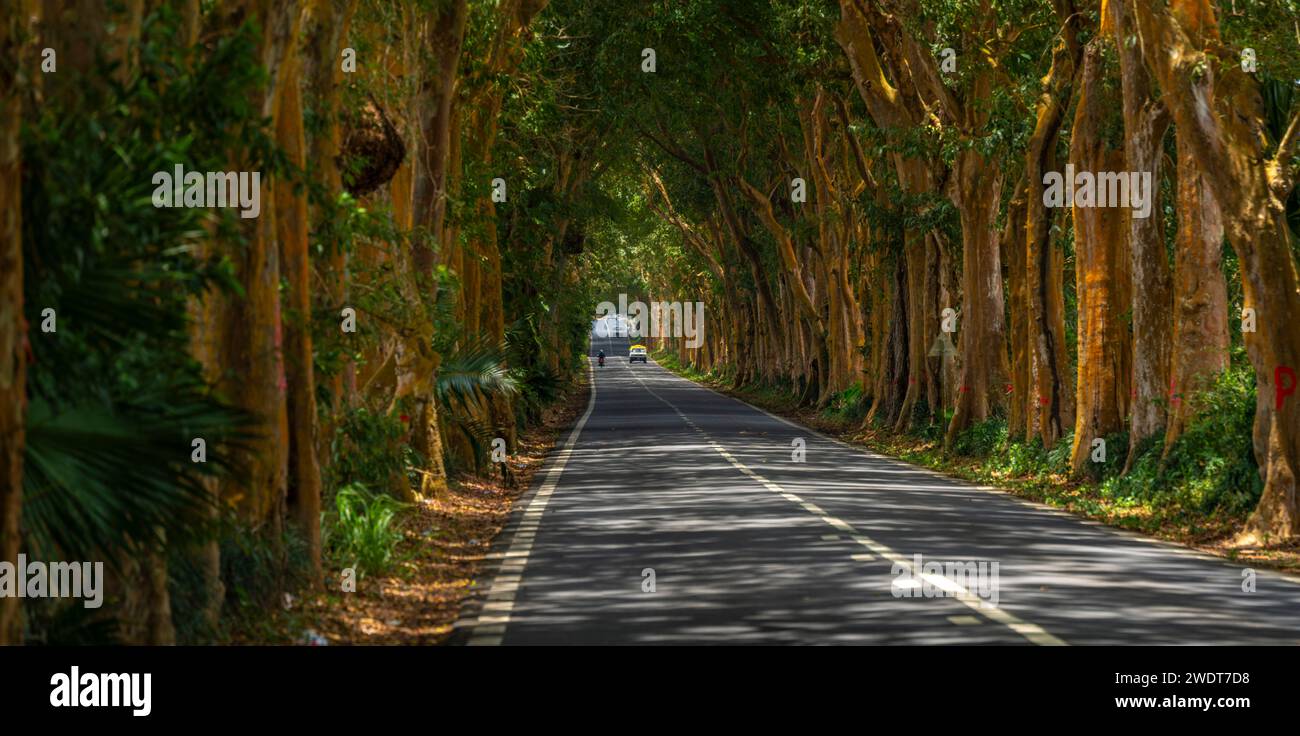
(1032,632)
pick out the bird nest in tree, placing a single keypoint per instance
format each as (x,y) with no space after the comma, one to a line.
(372,149)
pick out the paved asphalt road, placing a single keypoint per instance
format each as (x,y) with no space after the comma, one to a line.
(748,546)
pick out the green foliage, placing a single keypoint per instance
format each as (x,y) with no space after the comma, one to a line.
(362,531)
(668,359)
(539,387)
(66,622)
(257,568)
(849,405)
(982,439)
(471,376)
(115,399)
(474,372)
(369,449)
(1211,467)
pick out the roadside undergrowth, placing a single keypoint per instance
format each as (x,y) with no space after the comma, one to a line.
(409,589)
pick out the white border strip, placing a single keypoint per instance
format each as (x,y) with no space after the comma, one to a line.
(490,626)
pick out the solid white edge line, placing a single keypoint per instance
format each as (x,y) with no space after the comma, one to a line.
(500,599)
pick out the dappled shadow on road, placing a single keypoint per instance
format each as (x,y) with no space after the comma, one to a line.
(732,561)
(646,497)
(1080,580)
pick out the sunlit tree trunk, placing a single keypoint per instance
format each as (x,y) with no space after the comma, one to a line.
(1212,99)
(1200,294)
(1020,411)
(251,333)
(976,190)
(1146,121)
(889,108)
(1100,239)
(417,368)
(794,273)
(304,492)
(1052,395)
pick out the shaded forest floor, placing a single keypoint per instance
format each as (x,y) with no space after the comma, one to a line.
(444,546)
(1210,533)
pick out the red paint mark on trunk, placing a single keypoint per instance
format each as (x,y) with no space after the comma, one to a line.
(1283,391)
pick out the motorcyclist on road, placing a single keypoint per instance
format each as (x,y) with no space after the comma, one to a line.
(600,357)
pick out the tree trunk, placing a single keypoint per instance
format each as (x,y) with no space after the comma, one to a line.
(1100,237)
(1051,396)
(1212,99)
(977,190)
(304,492)
(1019,407)
(1200,294)
(205,347)
(13,326)
(1146,120)
(330,22)
(417,364)
(251,327)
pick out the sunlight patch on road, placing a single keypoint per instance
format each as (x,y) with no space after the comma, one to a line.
(1032,632)
(489,627)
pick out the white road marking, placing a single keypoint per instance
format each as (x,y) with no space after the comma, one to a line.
(1033,632)
(489,628)
(1175,547)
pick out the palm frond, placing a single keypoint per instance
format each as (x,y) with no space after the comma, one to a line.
(474,372)
(101,481)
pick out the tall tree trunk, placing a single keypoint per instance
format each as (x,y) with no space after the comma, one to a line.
(204,346)
(806,310)
(1019,407)
(251,331)
(1052,394)
(1217,105)
(977,189)
(417,368)
(322,74)
(1200,294)
(917,330)
(13,326)
(1146,120)
(1102,280)
(304,492)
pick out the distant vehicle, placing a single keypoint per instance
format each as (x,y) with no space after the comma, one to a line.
(637,353)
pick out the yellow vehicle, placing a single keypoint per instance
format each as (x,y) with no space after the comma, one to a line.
(635,353)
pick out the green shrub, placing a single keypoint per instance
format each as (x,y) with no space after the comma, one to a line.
(1211,466)
(368,450)
(849,405)
(256,568)
(362,532)
(982,439)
